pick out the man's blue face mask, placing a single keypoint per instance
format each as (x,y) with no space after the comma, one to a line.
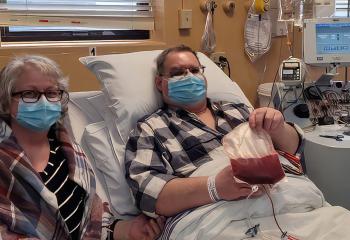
(186,90)
(38,116)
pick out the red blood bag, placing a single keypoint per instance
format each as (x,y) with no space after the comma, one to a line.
(253,157)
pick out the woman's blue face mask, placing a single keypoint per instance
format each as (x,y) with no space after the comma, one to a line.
(187,90)
(38,116)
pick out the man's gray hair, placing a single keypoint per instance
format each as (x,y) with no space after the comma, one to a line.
(162,57)
(14,69)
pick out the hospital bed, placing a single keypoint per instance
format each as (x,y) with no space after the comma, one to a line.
(101,121)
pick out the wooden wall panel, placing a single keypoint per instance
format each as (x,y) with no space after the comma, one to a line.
(229,35)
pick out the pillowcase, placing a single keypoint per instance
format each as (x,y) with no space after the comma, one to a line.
(97,143)
(128,82)
(83,108)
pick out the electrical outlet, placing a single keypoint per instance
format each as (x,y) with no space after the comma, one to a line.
(185,18)
(337,84)
(215,57)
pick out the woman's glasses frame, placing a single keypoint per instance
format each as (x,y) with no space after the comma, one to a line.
(32,96)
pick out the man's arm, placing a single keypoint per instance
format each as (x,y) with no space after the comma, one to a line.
(7,234)
(146,171)
(283,135)
(286,139)
(181,194)
(185,193)
(140,227)
(158,191)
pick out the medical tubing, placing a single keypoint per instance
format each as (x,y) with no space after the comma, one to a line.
(284,233)
(282,99)
(274,79)
(300,94)
(259,35)
(254,188)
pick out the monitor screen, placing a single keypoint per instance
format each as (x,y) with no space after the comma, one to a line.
(326,41)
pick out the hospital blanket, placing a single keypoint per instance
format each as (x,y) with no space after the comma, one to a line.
(299,205)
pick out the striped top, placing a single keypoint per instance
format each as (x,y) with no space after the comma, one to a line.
(30,210)
(70,196)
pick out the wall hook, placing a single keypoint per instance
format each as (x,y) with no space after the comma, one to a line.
(208,5)
(229,7)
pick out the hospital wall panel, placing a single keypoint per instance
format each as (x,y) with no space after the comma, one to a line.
(229,31)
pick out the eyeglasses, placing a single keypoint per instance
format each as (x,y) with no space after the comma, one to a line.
(32,96)
(175,72)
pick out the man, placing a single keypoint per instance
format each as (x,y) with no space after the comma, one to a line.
(172,143)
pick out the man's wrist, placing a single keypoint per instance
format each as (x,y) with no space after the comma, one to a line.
(283,130)
(211,185)
(111,229)
(286,138)
(121,230)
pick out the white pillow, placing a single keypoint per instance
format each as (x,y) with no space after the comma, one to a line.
(84,108)
(128,82)
(97,142)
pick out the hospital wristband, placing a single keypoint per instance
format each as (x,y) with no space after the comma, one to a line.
(110,229)
(213,193)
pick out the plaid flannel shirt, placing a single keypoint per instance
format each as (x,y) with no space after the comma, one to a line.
(28,209)
(169,144)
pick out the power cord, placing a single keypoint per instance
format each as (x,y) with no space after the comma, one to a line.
(222,59)
(223,63)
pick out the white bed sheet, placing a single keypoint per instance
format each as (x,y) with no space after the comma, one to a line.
(299,206)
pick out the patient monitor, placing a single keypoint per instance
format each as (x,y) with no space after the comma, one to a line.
(326,42)
(292,71)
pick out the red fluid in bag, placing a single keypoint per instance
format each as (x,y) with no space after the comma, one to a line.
(262,170)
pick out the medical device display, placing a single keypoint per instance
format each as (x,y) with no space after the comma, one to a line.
(292,71)
(327,41)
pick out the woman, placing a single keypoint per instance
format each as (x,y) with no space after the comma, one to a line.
(47,190)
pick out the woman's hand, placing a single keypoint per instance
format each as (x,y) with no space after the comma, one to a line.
(139,228)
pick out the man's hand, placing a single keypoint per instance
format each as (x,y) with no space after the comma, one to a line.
(269,119)
(229,189)
(139,228)
(284,136)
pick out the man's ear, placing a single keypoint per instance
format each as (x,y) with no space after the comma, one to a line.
(158,81)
